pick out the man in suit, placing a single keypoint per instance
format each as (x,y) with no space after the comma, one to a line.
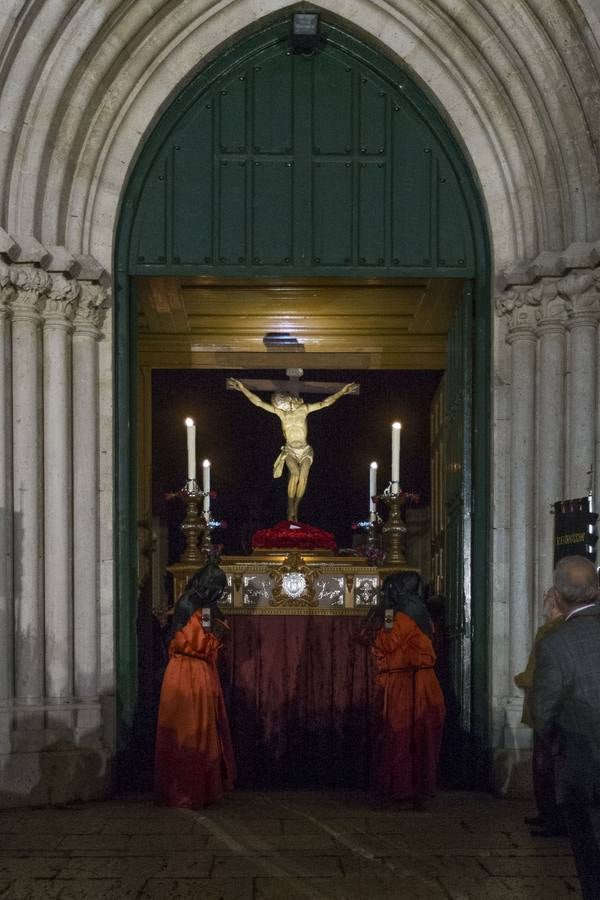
(565,706)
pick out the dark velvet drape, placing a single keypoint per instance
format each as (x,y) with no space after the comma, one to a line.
(298,690)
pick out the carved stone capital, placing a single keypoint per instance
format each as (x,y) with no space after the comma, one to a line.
(31,285)
(551,313)
(91,309)
(61,300)
(7,290)
(581,292)
(518,305)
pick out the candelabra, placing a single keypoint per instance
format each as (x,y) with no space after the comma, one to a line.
(197,526)
(394,530)
(194,524)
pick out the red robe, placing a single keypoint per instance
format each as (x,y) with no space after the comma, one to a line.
(194,762)
(410,712)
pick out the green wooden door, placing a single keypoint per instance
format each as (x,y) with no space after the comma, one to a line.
(457,463)
(285,164)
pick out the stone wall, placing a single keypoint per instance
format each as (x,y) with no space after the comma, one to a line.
(54,677)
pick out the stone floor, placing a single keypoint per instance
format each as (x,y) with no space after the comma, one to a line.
(282,846)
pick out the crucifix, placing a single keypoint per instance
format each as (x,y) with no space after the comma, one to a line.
(292,411)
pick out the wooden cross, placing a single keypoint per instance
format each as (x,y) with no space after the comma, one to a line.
(293,385)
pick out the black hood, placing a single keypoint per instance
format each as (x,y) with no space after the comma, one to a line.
(205,588)
(403,592)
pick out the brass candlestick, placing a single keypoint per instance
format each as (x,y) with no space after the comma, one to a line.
(193,525)
(394,530)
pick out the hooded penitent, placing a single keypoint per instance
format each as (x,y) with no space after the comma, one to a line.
(403,592)
(205,588)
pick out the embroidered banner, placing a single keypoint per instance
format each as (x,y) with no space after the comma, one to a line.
(574,529)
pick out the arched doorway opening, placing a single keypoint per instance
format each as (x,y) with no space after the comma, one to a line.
(276,169)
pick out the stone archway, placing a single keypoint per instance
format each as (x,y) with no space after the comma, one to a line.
(519,86)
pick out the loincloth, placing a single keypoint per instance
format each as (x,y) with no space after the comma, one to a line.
(298,454)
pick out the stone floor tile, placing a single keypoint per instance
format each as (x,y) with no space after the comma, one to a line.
(409,822)
(277,865)
(548,848)
(12,825)
(138,810)
(521,866)
(456,841)
(29,866)
(347,825)
(32,889)
(301,825)
(149,844)
(526,841)
(243,825)
(432,866)
(187,865)
(543,888)
(320,842)
(510,889)
(37,843)
(239,843)
(101,889)
(198,889)
(95,842)
(44,824)
(358,888)
(112,866)
(163,825)
(368,845)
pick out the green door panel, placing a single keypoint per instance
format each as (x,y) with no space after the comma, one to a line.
(373,115)
(192,193)
(272,189)
(332,97)
(272,101)
(372,213)
(333,189)
(338,122)
(231,102)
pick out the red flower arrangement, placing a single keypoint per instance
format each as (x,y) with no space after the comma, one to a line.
(293,535)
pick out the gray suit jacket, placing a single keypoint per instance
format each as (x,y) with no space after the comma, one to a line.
(565,703)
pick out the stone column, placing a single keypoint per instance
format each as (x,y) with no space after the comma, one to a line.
(88,318)
(31,284)
(580,291)
(7,293)
(550,468)
(522,339)
(58,574)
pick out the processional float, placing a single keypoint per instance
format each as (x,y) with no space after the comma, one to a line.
(295,567)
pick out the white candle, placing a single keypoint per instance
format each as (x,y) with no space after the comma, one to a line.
(206,485)
(372,490)
(191,448)
(396,428)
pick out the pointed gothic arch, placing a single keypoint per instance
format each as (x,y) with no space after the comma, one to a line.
(351,173)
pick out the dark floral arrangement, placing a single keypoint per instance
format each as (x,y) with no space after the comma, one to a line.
(374,555)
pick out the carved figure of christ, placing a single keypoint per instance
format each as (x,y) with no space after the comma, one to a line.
(292,412)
